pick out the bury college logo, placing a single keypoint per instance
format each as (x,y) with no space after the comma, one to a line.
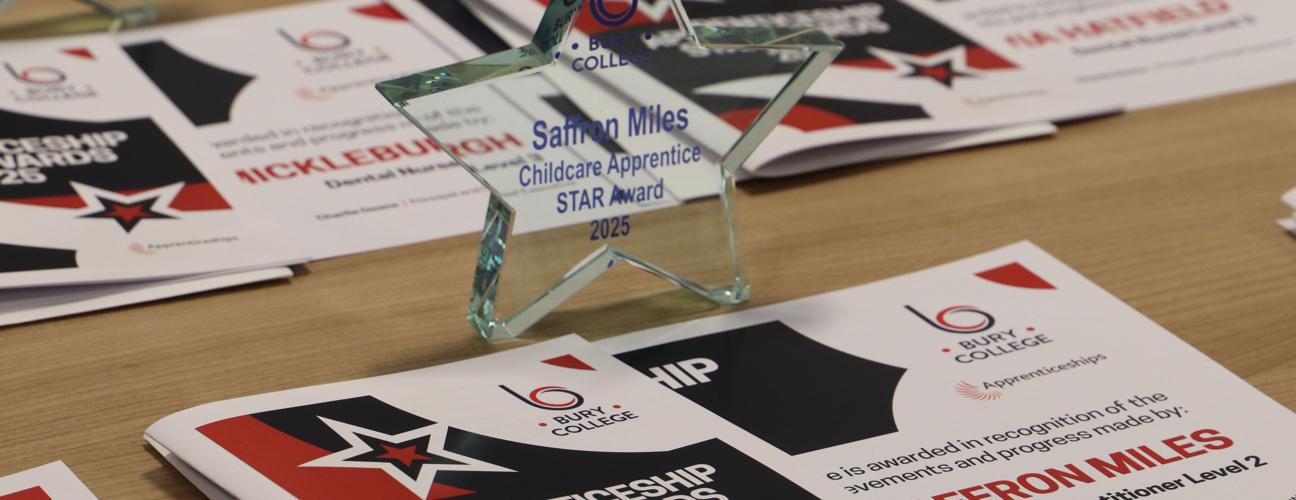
(598,8)
(550,398)
(38,75)
(318,40)
(958,319)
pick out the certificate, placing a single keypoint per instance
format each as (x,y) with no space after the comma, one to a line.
(1002,376)
(101,180)
(1140,52)
(289,106)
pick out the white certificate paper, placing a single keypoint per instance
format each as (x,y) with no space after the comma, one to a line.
(25,305)
(1003,376)
(53,481)
(101,180)
(560,420)
(1289,223)
(290,107)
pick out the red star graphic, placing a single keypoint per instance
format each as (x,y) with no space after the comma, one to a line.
(937,72)
(406,455)
(943,72)
(128,215)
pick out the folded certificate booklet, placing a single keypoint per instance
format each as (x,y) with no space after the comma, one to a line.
(560,420)
(24,305)
(1004,376)
(1141,52)
(48,482)
(289,106)
(99,181)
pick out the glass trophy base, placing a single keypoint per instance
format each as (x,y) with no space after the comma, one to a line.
(613,143)
(541,256)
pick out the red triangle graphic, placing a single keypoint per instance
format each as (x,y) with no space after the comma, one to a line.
(440,491)
(1016,275)
(569,361)
(35,493)
(79,52)
(381,11)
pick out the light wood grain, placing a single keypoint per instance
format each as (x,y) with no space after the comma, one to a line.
(1171,209)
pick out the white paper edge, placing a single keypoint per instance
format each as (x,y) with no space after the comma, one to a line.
(200,481)
(1290,198)
(163,290)
(1289,225)
(56,479)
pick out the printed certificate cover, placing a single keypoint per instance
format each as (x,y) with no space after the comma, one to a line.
(48,482)
(1004,376)
(560,420)
(100,180)
(290,108)
(1142,52)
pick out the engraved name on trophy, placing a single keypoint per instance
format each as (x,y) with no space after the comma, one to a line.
(614,143)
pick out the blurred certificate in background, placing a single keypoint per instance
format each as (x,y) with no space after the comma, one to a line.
(102,181)
(286,97)
(1141,52)
(903,78)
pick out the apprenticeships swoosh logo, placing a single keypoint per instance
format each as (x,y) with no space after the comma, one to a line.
(305,92)
(140,249)
(972,392)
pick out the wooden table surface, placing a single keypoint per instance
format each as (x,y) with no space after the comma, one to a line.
(1170,209)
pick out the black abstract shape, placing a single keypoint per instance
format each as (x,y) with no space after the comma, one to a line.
(793,392)
(18,258)
(203,92)
(146,158)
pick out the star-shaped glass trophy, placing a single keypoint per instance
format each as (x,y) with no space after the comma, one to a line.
(610,138)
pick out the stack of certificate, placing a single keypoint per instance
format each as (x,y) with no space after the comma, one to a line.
(178,158)
(108,196)
(1005,375)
